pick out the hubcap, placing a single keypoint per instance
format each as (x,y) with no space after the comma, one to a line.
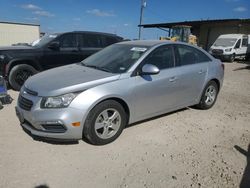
(107,123)
(210,95)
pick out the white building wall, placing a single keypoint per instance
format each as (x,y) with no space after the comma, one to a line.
(12,33)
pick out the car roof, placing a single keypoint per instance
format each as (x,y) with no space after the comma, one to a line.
(148,43)
(92,32)
(230,36)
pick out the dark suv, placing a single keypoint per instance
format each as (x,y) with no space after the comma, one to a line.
(17,63)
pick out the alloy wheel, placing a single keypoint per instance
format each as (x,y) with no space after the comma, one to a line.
(210,95)
(107,123)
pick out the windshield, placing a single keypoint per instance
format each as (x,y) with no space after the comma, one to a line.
(176,32)
(117,58)
(225,42)
(44,40)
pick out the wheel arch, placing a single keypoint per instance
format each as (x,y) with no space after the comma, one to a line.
(121,102)
(217,82)
(209,80)
(30,62)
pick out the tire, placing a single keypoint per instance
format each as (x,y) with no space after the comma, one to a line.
(100,128)
(248,57)
(232,58)
(1,105)
(209,96)
(19,74)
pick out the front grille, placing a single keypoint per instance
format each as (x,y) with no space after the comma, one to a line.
(24,103)
(217,51)
(34,93)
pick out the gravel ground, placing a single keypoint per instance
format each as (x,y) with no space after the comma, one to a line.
(188,148)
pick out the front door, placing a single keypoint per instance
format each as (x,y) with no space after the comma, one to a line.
(156,93)
(67,53)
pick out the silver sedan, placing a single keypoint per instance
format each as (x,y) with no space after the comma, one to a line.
(122,84)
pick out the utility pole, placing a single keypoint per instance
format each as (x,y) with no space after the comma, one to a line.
(143,5)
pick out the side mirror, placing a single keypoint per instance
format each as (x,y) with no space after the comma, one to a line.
(54,46)
(149,69)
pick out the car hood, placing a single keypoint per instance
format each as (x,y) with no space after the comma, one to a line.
(67,79)
(220,47)
(7,48)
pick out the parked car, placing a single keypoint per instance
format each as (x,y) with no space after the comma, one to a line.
(230,46)
(122,84)
(17,63)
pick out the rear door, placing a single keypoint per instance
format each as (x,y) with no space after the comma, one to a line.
(193,68)
(67,52)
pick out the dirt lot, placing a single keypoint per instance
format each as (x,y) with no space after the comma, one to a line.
(188,148)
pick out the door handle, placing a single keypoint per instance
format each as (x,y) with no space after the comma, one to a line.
(201,71)
(172,79)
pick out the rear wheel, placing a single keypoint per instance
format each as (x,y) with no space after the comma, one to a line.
(105,123)
(1,105)
(209,96)
(248,57)
(19,74)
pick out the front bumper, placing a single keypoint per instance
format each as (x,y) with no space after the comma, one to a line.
(223,57)
(50,123)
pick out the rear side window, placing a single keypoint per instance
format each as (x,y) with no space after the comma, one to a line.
(90,41)
(110,40)
(68,41)
(187,55)
(162,57)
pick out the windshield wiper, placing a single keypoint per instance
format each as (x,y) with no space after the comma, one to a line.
(96,67)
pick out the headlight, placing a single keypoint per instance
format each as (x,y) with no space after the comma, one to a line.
(228,50)
(58,101)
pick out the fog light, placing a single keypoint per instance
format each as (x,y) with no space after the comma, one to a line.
(53,126)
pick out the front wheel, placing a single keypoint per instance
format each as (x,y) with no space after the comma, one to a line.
(105,123)
(209,96)
(19,74)
(232,58)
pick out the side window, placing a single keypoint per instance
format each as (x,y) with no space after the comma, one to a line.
(91,41)
(238,44)
(110,40)
(162,57)
(188,55)
(68,41)
(245,41)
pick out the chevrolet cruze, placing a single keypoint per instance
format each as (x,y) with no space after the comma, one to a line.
(122,84)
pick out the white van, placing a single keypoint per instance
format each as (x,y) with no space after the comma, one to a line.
(230,46)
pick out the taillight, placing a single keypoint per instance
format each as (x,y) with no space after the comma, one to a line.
(223,66)
(5,70)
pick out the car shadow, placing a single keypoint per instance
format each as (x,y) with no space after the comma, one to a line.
(74,142)
(50,140)
(243,68)
(42,186)
(245,181)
